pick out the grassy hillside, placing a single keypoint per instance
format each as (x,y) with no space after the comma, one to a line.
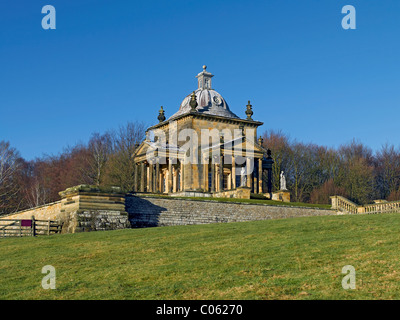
(298,258)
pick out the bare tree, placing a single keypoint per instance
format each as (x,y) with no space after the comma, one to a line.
(322,193)
(36,194)
(387,166)
(100,149)
(306,169)
(10,163)
(356,174)
(120,167)
(279,144)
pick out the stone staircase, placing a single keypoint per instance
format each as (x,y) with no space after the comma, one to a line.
(345,206)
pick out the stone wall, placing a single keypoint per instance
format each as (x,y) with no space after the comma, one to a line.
(94,220)
(93,208)
(82,208)
(238,193)
(88,208)
(48,211)
(147,211)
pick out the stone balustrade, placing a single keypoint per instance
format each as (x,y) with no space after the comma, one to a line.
(393,206)
(344,205)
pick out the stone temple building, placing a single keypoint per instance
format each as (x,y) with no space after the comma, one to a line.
(203,149)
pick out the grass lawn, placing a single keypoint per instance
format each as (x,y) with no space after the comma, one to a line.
(299,258)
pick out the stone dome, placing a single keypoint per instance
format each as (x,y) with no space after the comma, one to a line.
(209,101)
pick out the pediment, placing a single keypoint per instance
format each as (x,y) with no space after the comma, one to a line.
(238,147)
(163,150)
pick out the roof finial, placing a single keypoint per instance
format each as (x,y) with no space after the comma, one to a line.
(161,115)
(193,102)
(204,79)
(249,111)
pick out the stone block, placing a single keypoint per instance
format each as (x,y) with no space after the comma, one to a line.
(281,195)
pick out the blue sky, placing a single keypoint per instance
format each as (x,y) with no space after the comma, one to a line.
(109,62)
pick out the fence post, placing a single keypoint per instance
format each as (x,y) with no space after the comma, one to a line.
(48,227)
(33,226)
(20,228)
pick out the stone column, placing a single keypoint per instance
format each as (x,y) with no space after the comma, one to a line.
(174,178)
(221,173)
(255,176)
(269,184)
(260,176)
(248,166)
(135,181)
(205,173)
(142,180)
(153,177)
(157,179)
(169,175)
(212,175)
(149,177)
(233,173)
(182,175)
(264,182)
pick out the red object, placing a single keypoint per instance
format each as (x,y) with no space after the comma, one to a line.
(26,223)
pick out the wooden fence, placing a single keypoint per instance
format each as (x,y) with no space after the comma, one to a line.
(28,227)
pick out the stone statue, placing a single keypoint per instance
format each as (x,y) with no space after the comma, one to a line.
(243,180)
(283,181)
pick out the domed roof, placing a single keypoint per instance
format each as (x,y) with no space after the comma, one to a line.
(209,101)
